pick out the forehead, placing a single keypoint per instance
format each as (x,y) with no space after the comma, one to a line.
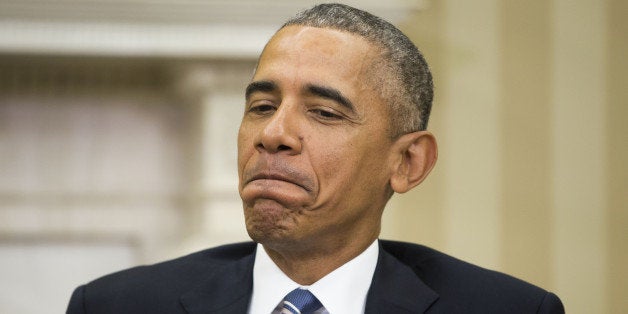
(323,40)
(302,53)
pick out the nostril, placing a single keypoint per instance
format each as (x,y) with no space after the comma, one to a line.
(272,148)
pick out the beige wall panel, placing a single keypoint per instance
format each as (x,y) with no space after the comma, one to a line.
(579,159)
(617,154)
(470,146)
(526,145)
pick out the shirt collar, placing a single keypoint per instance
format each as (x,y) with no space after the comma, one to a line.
(343,290)
(270,284)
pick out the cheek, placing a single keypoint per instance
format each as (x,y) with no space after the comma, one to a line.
(353,167)
(245,147)
(336,166)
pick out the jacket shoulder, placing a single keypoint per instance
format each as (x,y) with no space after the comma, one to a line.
(462,286)
(159,285)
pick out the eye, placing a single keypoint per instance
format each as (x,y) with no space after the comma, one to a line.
(326,114)
(262,109)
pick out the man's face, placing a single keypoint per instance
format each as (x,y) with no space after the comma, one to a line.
(313,146)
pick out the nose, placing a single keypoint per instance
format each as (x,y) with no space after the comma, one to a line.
(281,133)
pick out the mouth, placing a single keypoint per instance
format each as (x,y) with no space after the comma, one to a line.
(278,177)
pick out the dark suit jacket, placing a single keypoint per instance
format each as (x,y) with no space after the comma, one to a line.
(409,278)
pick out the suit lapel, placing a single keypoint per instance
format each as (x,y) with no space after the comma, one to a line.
(397,289)
(227,290)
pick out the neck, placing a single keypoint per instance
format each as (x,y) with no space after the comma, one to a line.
(306,264)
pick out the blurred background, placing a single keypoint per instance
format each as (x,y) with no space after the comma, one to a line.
(118,124)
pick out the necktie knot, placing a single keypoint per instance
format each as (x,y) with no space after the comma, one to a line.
(301,301)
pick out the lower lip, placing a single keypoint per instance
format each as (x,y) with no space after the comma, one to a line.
(279,190)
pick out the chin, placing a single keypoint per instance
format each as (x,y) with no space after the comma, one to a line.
(267,226)
(270,237)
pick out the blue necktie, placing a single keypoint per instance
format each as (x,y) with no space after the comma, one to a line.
(300,301)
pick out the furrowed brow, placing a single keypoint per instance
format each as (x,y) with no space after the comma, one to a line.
(260,86)
(330,93)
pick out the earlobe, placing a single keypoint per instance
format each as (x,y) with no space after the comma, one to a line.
(416,155)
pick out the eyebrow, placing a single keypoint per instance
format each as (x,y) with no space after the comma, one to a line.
(260,86)
(330,93)
(316,90)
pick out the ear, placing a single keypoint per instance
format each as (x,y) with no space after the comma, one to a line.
(415,156)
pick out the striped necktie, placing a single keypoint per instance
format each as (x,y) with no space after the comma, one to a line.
(300,301)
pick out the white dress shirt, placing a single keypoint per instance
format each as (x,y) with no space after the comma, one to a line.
(343,291)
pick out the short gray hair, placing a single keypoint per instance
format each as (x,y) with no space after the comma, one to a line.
(410,92)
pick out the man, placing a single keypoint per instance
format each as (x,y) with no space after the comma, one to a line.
(334,125)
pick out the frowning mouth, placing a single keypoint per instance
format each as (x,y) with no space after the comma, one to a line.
(267,171)
(278,177)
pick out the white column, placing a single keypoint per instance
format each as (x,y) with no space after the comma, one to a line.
(216,90)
